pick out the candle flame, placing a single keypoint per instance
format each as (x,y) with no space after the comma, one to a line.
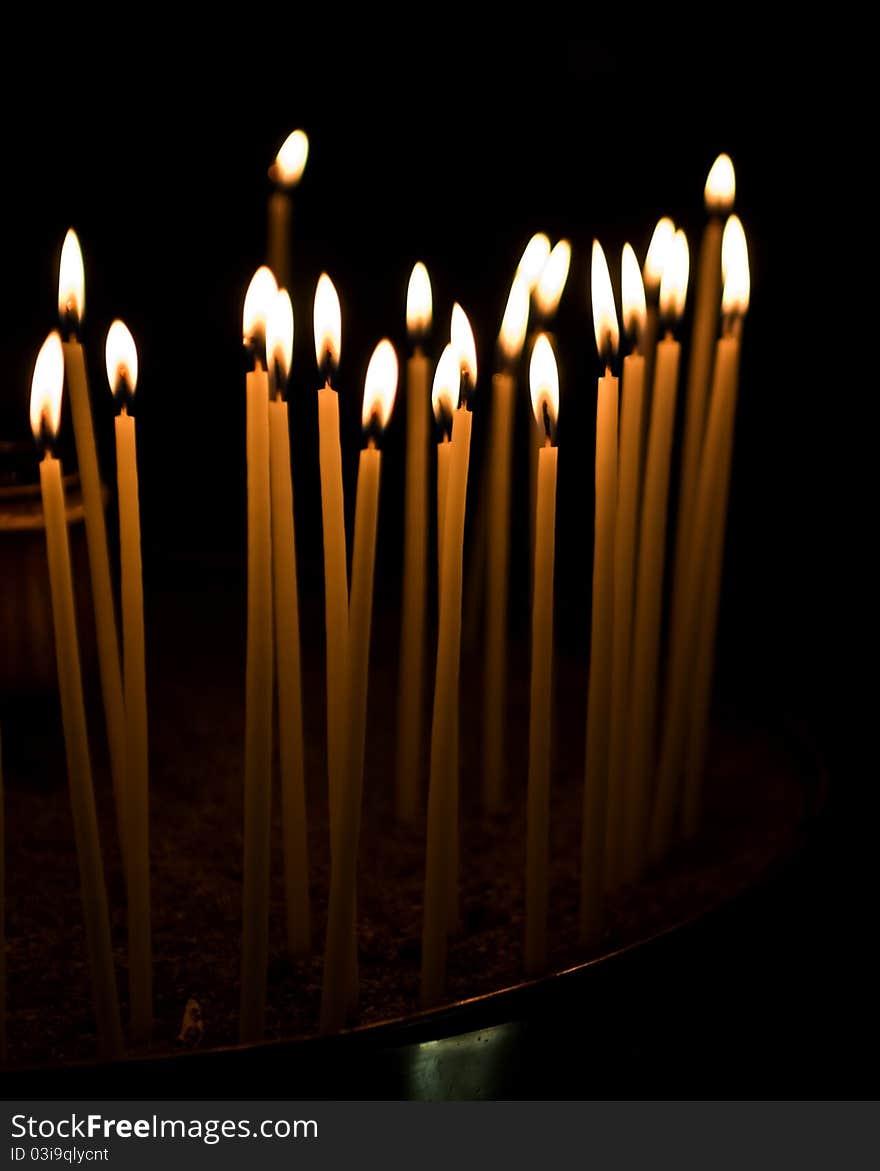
(735,267)
(604,312)
(418,301)
(544,382)
(258,301)
(279,335)
(551,282)
(46,386)
(290,162)
(71,280)
(534,258)
(720,188)
(380,385)
(658,254)
(632,293)
(515,320)
(673,286)
(121,356)
(463,344)
(328,324)
(447,379)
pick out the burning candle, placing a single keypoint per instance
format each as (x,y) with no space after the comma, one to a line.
(122,372)
(45,413)
(688,703)
(719,195)
(510,343)
(443,783)
(285,173)
(328,337)
(599,690)
(258,302)
(649,582)
(71,305)
(625,531)
(411,693)
(379,391)
(544,382)
(279,352)
(655,261)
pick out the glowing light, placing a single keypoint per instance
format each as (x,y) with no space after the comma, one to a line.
(447,379)
(720,189)
(515,320)
(551,282)
(544,381)
(380,385)
(290,162)
(632,293)
(418,301)
(673,286)
(258,301)
(658,254)
(534,258)
(279,334)
(121,357)
(71,280)
(735,267)
(604,313)
(463,344)
(47,385)
(328,324)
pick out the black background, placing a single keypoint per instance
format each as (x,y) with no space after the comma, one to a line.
(451,149)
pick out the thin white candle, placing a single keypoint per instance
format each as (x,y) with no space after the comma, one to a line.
(443,782)
(602,615)
(544,382)
(328,336)
(379,392)
(122,372)
(413,633)
(259,671)
(649,582)
(625,532)
(294,829)
(45,415)
(71,303)
(510,343)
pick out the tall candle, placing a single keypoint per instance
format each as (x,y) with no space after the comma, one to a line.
(413,633)
(71,302)
(379,392)
(259,668)
(285,173)
(328,335)
(544,380)
(655,261)
(122,371)
(45,414)
(510,343)
(688,703)
(279,348)
(625,531)
(649,582)
(719,195)
(602,614)
(443,782)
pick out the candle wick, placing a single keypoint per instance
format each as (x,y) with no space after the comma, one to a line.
(371,443)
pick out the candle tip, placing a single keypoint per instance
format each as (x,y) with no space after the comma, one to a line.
(720,190)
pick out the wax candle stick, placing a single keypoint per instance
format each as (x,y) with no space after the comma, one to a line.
(719,196)
(259,669)
(45,412)
(655,261)
(71,303)
(688,701)
(285,173)
(328,334)
(379,392)
(444,395)
(602,614)
(122,371)
(294,831)
(510,343)
(443,782)
(625,531)
(544,381)
(411,688)
(649,582)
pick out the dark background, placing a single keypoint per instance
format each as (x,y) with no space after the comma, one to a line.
(453,150)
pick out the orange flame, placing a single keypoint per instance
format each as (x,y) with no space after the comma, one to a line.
(418,301)
(71,280)
(327,323)
(632,293)
(551,282)
(258,301)
(720,189)
(534,258)
(735,267)
(515,320)
(463,344)
(447,382)
(290,162)
(121,357)
(673,286)
(47,385)
(380,385)
(544,381)
(604,313)
(279,334)
(658,254)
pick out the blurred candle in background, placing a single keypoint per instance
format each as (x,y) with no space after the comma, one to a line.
(285,173)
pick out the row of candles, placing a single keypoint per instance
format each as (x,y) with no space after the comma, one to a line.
(633,793)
